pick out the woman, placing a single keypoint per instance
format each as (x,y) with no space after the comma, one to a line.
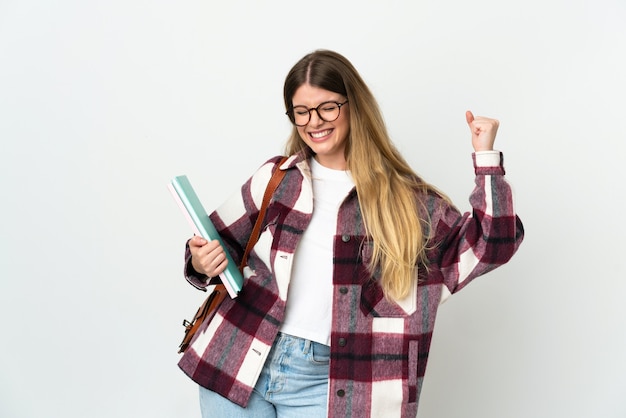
(357,252)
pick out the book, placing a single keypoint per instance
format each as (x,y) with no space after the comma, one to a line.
(192,208)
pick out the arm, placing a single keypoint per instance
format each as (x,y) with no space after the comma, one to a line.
(477,242)
(234,221)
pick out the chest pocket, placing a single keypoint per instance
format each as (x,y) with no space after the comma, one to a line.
(373,301)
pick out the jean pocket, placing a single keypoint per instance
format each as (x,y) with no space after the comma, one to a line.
(320,353)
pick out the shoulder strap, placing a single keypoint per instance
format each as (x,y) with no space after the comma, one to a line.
(275,180)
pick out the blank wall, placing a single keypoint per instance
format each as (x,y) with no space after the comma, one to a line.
(102,102)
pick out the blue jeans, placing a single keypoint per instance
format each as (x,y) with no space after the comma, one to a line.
(293,383)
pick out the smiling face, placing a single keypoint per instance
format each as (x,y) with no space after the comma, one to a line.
(326,139)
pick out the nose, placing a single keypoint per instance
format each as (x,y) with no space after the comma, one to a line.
(315,118)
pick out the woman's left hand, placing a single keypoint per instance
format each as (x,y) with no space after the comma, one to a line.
(483,131)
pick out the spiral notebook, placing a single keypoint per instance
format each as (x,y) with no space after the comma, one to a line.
(192,208)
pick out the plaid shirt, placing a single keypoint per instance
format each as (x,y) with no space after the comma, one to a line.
(379,348)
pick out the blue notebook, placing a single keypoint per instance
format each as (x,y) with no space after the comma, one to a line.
(187,199)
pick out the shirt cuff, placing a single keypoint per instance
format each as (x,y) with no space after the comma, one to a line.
(488,163)
(488,158)
(197,280)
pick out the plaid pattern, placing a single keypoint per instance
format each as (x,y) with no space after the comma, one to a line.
(379,348)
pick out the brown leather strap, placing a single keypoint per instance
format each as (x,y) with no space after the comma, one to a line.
(275,180)
(216,297)
(210,305)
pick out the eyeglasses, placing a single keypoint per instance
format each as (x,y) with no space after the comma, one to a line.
(327,111)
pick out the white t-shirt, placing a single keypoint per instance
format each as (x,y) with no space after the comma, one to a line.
(309,300)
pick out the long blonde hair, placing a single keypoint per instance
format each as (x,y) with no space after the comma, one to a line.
(387,188)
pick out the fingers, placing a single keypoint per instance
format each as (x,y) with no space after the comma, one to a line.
(215,262)
(483,130)
(197,241)
(207,257)
(480,122)
(485,125)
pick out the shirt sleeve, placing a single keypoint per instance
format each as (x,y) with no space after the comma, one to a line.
(478,241)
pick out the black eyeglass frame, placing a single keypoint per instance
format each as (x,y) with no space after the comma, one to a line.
(292,117)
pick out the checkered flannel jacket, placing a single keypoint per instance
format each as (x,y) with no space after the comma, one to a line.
(379,348)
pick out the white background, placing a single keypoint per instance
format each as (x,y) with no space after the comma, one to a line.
(102,102)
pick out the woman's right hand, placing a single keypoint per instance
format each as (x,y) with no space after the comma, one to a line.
(207,257)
